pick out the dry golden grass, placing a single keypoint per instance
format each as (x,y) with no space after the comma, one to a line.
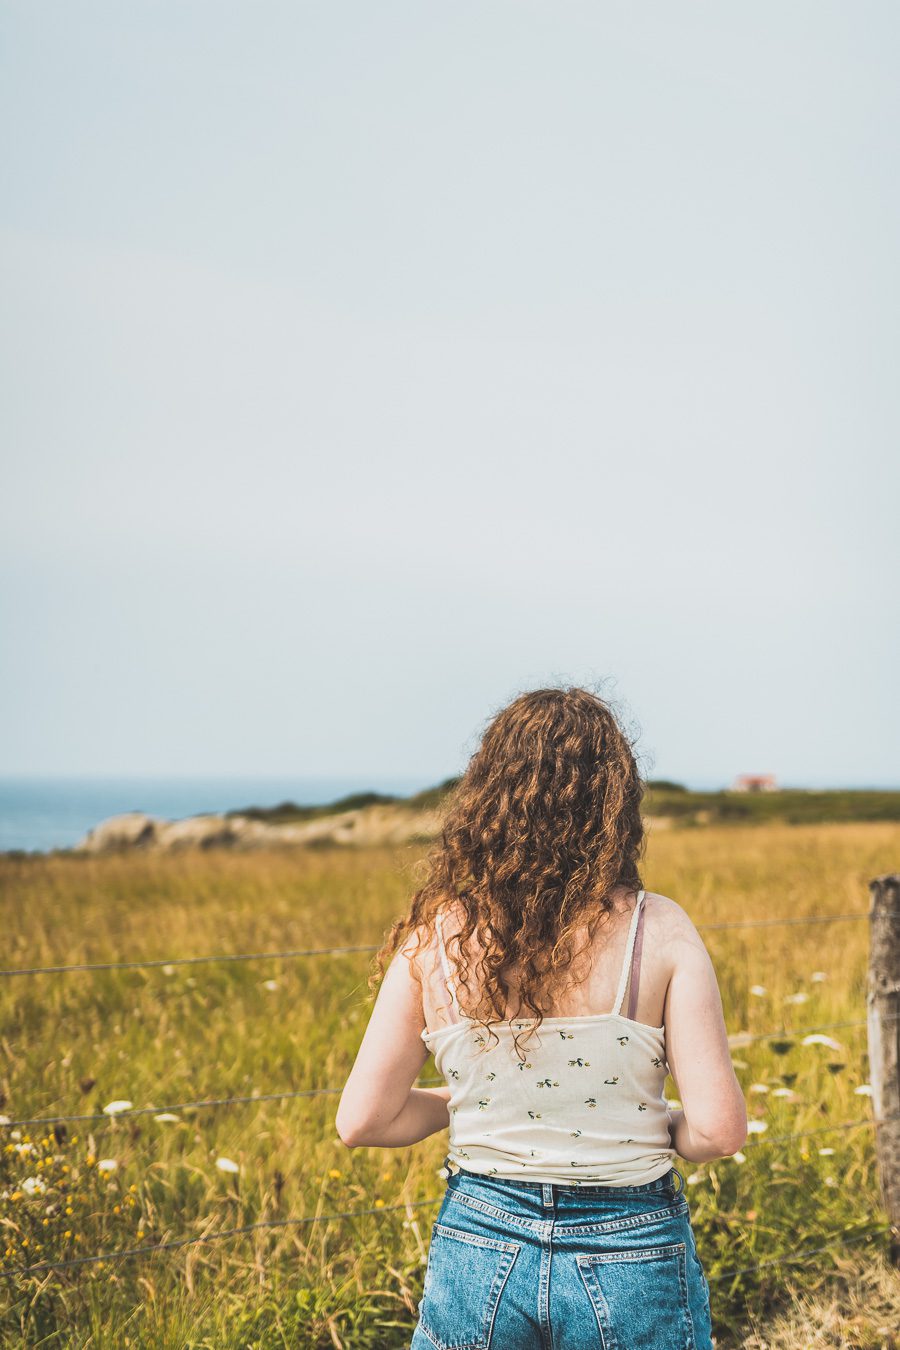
(73,1043)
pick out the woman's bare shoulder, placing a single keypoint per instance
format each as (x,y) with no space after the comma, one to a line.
(669,920)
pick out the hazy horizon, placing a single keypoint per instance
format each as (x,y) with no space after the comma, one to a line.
(375,780)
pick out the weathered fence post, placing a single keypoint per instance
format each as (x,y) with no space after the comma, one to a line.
(883,1019)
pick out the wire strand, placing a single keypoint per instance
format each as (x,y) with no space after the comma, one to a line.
(183,1106)
(820,1129)
(373,947)
(208,1103)
(186,960)
(177,1243)
(208,1237)
(801,1256)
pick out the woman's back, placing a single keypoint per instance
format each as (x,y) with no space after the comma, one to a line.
(583,1102)
(595,973)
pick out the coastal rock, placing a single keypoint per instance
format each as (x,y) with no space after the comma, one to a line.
(134,829)
(196,832)
(369,825)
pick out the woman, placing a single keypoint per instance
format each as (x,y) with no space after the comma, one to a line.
(555,994)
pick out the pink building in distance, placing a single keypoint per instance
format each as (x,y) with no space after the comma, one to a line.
(755,782)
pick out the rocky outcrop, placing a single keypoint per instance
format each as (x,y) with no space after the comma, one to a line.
(365,826)
(132,830)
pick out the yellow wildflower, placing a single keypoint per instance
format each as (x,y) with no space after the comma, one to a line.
(334,1173)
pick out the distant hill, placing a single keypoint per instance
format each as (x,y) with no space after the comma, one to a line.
(373,818)
(795,806)
(662,797)
(289,813)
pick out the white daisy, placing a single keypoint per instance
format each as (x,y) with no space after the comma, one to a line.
(816,1038)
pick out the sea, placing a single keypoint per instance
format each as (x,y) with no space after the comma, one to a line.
(42,814)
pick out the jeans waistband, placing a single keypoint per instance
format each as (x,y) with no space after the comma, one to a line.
(670,1184)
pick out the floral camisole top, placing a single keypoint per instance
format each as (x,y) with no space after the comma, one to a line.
(584,1106)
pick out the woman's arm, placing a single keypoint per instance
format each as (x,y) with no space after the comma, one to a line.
(426,1112)
(687,1145)
(712,1120)
(379,1106)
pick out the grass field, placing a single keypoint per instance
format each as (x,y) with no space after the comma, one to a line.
(73,1043)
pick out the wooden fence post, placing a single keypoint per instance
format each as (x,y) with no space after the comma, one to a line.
(883,1021)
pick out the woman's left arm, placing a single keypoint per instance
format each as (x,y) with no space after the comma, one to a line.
(379,1107)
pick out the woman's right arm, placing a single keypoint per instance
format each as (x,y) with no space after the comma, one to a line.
(712,1121)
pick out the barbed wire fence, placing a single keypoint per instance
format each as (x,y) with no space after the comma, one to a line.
(736,1041)
(174,961)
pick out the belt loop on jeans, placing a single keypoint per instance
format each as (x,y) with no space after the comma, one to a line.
(547,1194)
(679,1188)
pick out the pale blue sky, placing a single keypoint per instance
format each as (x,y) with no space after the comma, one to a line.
(364,364)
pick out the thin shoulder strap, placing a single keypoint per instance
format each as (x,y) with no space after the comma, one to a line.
(628,963)
(448,980)
(636,964)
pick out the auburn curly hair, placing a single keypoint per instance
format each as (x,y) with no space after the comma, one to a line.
(542,827)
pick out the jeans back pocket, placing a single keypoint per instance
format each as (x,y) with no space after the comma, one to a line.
(640,1297)
(464,1278)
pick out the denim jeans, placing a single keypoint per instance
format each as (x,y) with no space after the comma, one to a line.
(516,1265)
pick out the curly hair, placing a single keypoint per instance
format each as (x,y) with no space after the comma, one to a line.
(542,827)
